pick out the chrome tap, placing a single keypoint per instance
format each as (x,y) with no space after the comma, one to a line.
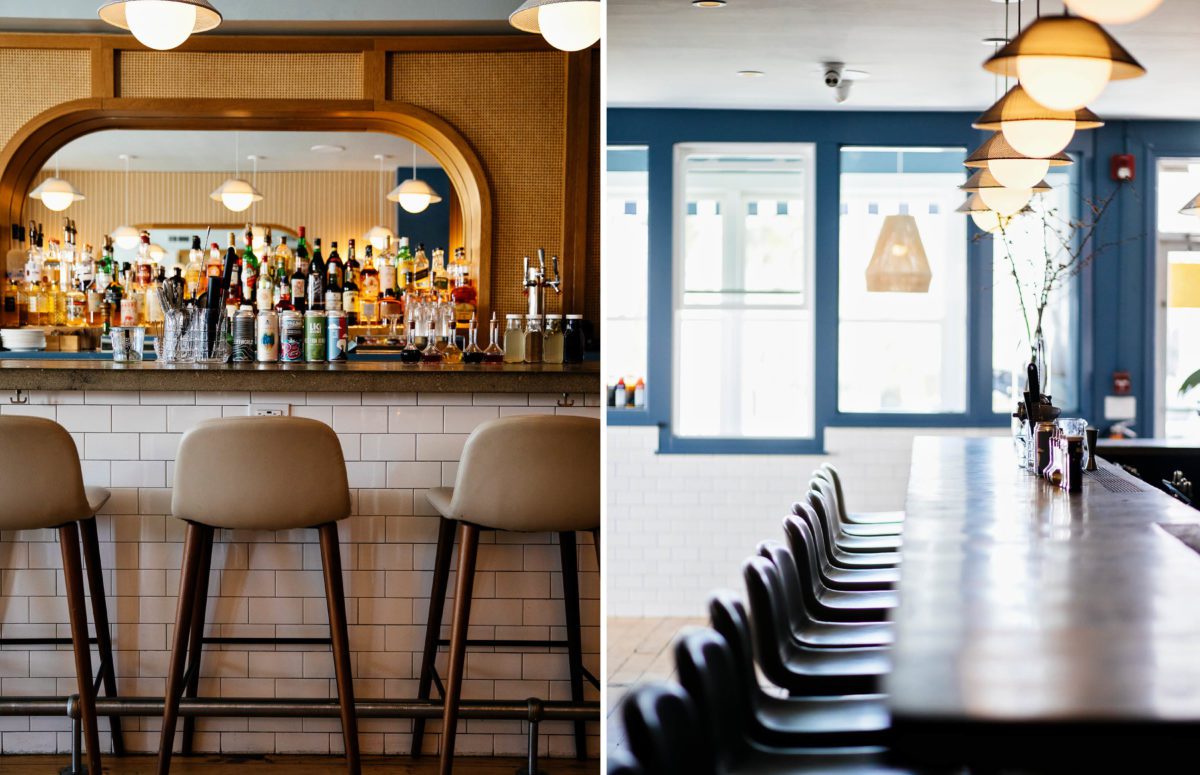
(535,282)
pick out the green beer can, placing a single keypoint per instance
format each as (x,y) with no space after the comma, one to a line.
(314,337)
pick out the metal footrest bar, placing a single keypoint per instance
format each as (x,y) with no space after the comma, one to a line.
(510,643)
(239,641)
(40,641)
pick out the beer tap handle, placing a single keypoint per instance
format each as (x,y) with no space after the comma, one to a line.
(541,254)
(556,283)
(525,274)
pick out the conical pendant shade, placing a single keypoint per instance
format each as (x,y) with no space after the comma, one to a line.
(1032,128)
(985,217)
(1192,207)
(568,25)
(1011,167)
(899,264)
(999,197)
(57,194)
(161,24)
(236,194)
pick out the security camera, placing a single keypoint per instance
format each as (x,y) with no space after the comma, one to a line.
(838,78)
(833,76)
(842,92)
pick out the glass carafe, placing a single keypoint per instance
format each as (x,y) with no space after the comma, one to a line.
(533,339)
(474,353)
(494,352)
(514,340)
(552,340)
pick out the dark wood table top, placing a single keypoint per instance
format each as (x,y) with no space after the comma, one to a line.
(1024,608)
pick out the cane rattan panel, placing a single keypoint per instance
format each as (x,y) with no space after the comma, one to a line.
(510,107)
(39,79)
(207,74)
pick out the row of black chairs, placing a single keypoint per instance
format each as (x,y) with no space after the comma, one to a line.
(817,632)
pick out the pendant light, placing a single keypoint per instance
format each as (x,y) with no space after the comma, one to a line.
(235,193)
(1010,167)
(899,264)
(1113,11)
(55,193)
(161,24)
(984,217)
(568,25)
(414,194)
(1031,128)
(1192,207)
(1064,62)
(126,237)
(380,235)
(1002,199)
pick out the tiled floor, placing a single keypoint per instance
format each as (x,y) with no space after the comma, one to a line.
(638,650)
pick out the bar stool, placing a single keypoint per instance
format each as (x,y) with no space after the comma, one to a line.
(493,491)
(842,539)
(41,486)
(221,482)
(891,518)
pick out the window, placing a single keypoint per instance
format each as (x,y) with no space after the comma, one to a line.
(743,303)
(1028,237)
(1178,347)
(626,263)
(902,352)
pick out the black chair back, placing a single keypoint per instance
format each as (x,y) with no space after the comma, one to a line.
(663,729)
(731,622)
(768,619)
(621,763)
(799,582)
(708,673)
(831,473)
(828,503)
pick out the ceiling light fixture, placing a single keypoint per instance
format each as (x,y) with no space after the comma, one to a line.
(568,25)
(55,193)
(161,24)
(899,264)
(379,236)
(322,148)
(708,3)
(414,194)
(1032,128)
(1113,11)
(1011,167)
(985,218)
(1064,62)
(1001,198)
(235,193)
(751,73)
(126,237)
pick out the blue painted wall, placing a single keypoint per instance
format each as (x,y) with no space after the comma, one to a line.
(1116,309)
(432,226)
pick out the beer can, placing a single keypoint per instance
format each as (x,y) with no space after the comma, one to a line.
(291,337)
(314,336)
(268,336)
(337,335)
(243,336)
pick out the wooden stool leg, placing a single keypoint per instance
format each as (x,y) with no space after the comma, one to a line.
(196,639)
(335,597)
(108,667)
(193,548)
(433,625)
(68,539)
(570,577)
(467,550)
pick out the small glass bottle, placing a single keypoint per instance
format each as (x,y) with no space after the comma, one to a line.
(533,339)
(514,340)
(411,353)
(573,340)
(474,353)
(552,340)
(451,353)
(431,353)
(494,352)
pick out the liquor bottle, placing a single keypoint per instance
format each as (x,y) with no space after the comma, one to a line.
(316,280)
(464,294)
(154,307)
(114,294)
(97,309)
(369,290)
(194,269)
(85,264)
(350,300)
(285,297)
(474,353)
(145,270)
(233,299)
(298,290)
(387,276)
(249,269)
(352,265)
(76,306)
(214,268)
(335,270)
(301,254)
(421,268)
(12,296)
(404,259)
(494,352)
(411,353)
(441,281)
(264,292)
(284,253)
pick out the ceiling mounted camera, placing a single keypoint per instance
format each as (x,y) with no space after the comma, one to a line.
(840,78)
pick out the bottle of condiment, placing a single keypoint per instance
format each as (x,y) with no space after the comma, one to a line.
(552,340)
(514,340)
(573,340)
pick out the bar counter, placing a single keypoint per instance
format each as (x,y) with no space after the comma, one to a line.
(1040,626)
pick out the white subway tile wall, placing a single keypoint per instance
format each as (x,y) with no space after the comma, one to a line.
(680,526)
(396,446)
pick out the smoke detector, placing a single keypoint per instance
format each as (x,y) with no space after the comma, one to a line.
(840,78)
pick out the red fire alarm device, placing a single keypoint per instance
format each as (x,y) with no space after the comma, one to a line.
(1123,167)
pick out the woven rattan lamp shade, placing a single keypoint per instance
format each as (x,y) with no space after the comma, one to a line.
(899,264)
(996,148)
(1017,105)
(1070,37)
(1010,166)
(207,17)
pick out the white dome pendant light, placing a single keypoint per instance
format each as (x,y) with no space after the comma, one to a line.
(161,24)
(1004,200)
(1113,11)
(1010,167)
(235,193)
(126,237)
(568,25)
(380,235)
(55,193)
(1033,129)
(414,194)
(1064,62)
(985,218)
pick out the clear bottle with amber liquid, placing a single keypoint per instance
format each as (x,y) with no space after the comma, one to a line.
(368,292)
(494,352)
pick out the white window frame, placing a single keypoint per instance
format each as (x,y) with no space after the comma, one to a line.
(733,260)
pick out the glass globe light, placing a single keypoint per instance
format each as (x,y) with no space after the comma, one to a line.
(414,195)
(1113,11)
(127,237)
(161,24)
(236,194)
(568,25)
(1006,201)
(1063,83)
(56,194)
(989,220)
(1019,173)
(1038,137)
(380,236)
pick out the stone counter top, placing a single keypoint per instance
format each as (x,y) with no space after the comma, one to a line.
(352,376)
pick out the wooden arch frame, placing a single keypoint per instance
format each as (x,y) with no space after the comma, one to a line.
(32,147)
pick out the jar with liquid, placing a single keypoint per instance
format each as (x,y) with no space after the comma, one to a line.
(514,340)
(552,340)
(573,340)
(533,339)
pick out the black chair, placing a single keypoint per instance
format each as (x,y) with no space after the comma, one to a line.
(622,763)
(818,517)
(799,669)
(848,579)
(880,528)
(782,722)
(841,539)
(668,736)
(823,603)
(861,517)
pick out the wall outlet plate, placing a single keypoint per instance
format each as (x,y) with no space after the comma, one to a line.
(269,410)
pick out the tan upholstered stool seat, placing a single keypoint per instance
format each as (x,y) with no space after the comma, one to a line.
(96,498)
(232,466)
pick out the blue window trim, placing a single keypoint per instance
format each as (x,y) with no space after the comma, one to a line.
(661,129)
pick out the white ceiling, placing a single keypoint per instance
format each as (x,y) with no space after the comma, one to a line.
(194,151)
(922,55)
(367,17)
